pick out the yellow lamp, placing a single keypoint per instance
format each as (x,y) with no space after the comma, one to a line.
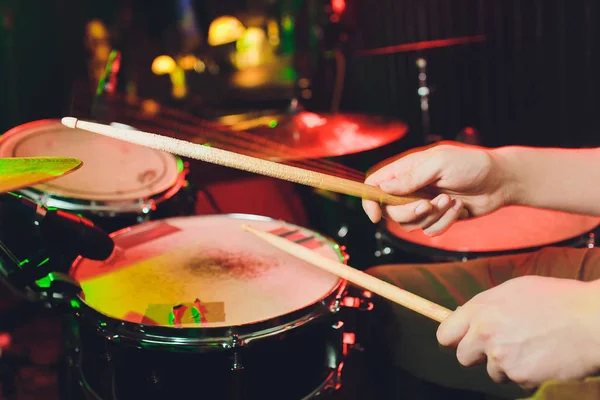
(225,29)
(163,65)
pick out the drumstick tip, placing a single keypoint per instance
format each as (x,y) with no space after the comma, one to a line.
(70,122)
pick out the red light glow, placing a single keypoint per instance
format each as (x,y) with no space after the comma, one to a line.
(338,6)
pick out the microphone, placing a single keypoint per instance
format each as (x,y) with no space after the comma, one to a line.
(64,230)
(61,230)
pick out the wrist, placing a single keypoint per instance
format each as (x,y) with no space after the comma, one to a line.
(505,162)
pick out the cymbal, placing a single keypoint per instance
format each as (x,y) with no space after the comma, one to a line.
(18,173)
(310,135)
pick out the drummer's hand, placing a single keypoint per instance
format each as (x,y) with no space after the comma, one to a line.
(456,175)
(529,329)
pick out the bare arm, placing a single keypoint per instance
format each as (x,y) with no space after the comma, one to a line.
(559,179)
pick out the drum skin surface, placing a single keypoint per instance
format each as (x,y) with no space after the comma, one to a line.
(509,228)
(113,170)
(238,278)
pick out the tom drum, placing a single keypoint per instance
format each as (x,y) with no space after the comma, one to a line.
(508,230)
(197,307)
(119,184)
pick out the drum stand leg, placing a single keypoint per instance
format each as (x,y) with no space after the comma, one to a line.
(238,389)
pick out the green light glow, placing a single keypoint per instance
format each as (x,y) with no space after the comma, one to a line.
(44,261)
(46,281)
(180,165)
(287,23)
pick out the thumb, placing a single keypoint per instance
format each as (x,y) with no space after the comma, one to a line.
(411,178)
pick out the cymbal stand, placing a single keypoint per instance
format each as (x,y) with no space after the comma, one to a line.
(423,92)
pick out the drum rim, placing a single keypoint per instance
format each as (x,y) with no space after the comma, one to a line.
(461,254)
(212,338)
(142,205)
(49,198)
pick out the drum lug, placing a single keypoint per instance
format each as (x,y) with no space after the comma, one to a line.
(237,358)
(381,248)
(148,206)
(361,304)
(43,200)
(237,362)
(336,306)
(591,241)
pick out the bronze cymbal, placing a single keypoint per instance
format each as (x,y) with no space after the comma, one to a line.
(310,135)
(20,172)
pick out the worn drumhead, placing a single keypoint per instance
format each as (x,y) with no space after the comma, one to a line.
(509,228)
(237,277)
(112,169)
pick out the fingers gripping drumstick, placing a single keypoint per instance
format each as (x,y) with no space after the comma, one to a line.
(243,162)
(359,278)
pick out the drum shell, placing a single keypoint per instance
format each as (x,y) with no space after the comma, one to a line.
(293,361)
(179,200)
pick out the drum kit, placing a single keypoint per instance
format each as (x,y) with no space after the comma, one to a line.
(176,303)
(180,304)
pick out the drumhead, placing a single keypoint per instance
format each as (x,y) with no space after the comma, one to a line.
(233,277)
(113,170)
(507,229)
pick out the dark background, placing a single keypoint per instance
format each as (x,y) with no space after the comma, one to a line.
(532,81)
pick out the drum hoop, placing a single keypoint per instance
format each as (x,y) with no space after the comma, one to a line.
(142,205)
(212,338)
(425,250)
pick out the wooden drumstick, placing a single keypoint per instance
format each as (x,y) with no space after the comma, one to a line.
(359,278)
(243,162)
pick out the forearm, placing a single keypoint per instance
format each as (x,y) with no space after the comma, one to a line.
(560,179)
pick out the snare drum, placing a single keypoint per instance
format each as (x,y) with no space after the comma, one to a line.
(513,229)
(119,184)
(197,307)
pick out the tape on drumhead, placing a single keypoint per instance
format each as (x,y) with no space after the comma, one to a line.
(194,312)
